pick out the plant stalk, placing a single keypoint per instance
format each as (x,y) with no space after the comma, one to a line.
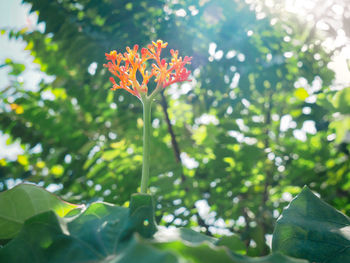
(147,103)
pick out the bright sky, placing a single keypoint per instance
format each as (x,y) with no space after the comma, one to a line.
(15,15)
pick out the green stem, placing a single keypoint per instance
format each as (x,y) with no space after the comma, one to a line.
(147,103)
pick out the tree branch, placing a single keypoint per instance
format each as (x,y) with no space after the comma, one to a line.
(175,145)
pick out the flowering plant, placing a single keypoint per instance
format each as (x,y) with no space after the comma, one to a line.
(126,66)
(131,70)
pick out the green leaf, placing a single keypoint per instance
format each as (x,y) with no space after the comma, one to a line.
(188,235)
(301,93)
(101,232)
(195,247)
(140,251)
(275,258)
(34,240)
(100,226)
(203,253)
(311,229)
(24,201)
(208,253)
(107,233)
(341,127)
(17,68)
(92,237)
(110,155)
(341,101)
(234,243)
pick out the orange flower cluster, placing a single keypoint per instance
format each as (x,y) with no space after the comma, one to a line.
(125,67)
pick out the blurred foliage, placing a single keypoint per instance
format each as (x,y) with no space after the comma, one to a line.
(240,126)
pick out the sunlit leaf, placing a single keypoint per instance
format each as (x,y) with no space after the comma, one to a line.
(311,229)
(301,93)
(23,202)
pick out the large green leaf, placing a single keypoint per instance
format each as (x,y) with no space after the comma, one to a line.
(208,253)
(192,246)
(188,235)
(274,258)
(139,251)
(234,243)
(24,201)
(93,237)
(102,233)
(108,233)
(309,228)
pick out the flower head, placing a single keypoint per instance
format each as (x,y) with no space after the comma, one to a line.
(127,66)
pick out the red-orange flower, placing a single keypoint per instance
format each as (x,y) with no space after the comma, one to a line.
(125,67)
